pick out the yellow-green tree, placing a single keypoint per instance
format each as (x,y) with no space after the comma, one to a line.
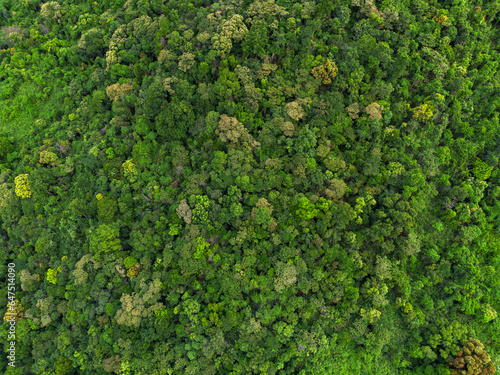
(23,189)
(423,112)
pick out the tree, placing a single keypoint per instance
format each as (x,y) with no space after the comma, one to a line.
(52,10)
(256,40)
(111,364)
(118,90)
(472,359)
(23,189)
(184,211)
(92,43)
(337,189)
(133,310)
(175,119)
(6,146)
(105,239)
(106,209)
(326,72)
(230,129)
(482,171)
(286,276)
(262,213)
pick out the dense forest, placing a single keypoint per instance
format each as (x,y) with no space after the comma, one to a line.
(250,186)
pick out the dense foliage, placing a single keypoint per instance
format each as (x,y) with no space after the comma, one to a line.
(251,186)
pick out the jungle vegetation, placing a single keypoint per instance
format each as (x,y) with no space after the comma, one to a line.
(251,186)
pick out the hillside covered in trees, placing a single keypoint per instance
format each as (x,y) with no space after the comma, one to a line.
(250,186)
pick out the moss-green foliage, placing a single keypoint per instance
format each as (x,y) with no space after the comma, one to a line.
(23,188)
(276,187)
(202,248)
(482,171)
(6,146)
(200,211)
(306,210)
(105,239)
(110,309)
(106,209)
(63,366)
(129,262)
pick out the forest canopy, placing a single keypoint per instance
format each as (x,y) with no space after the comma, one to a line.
(250,186)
